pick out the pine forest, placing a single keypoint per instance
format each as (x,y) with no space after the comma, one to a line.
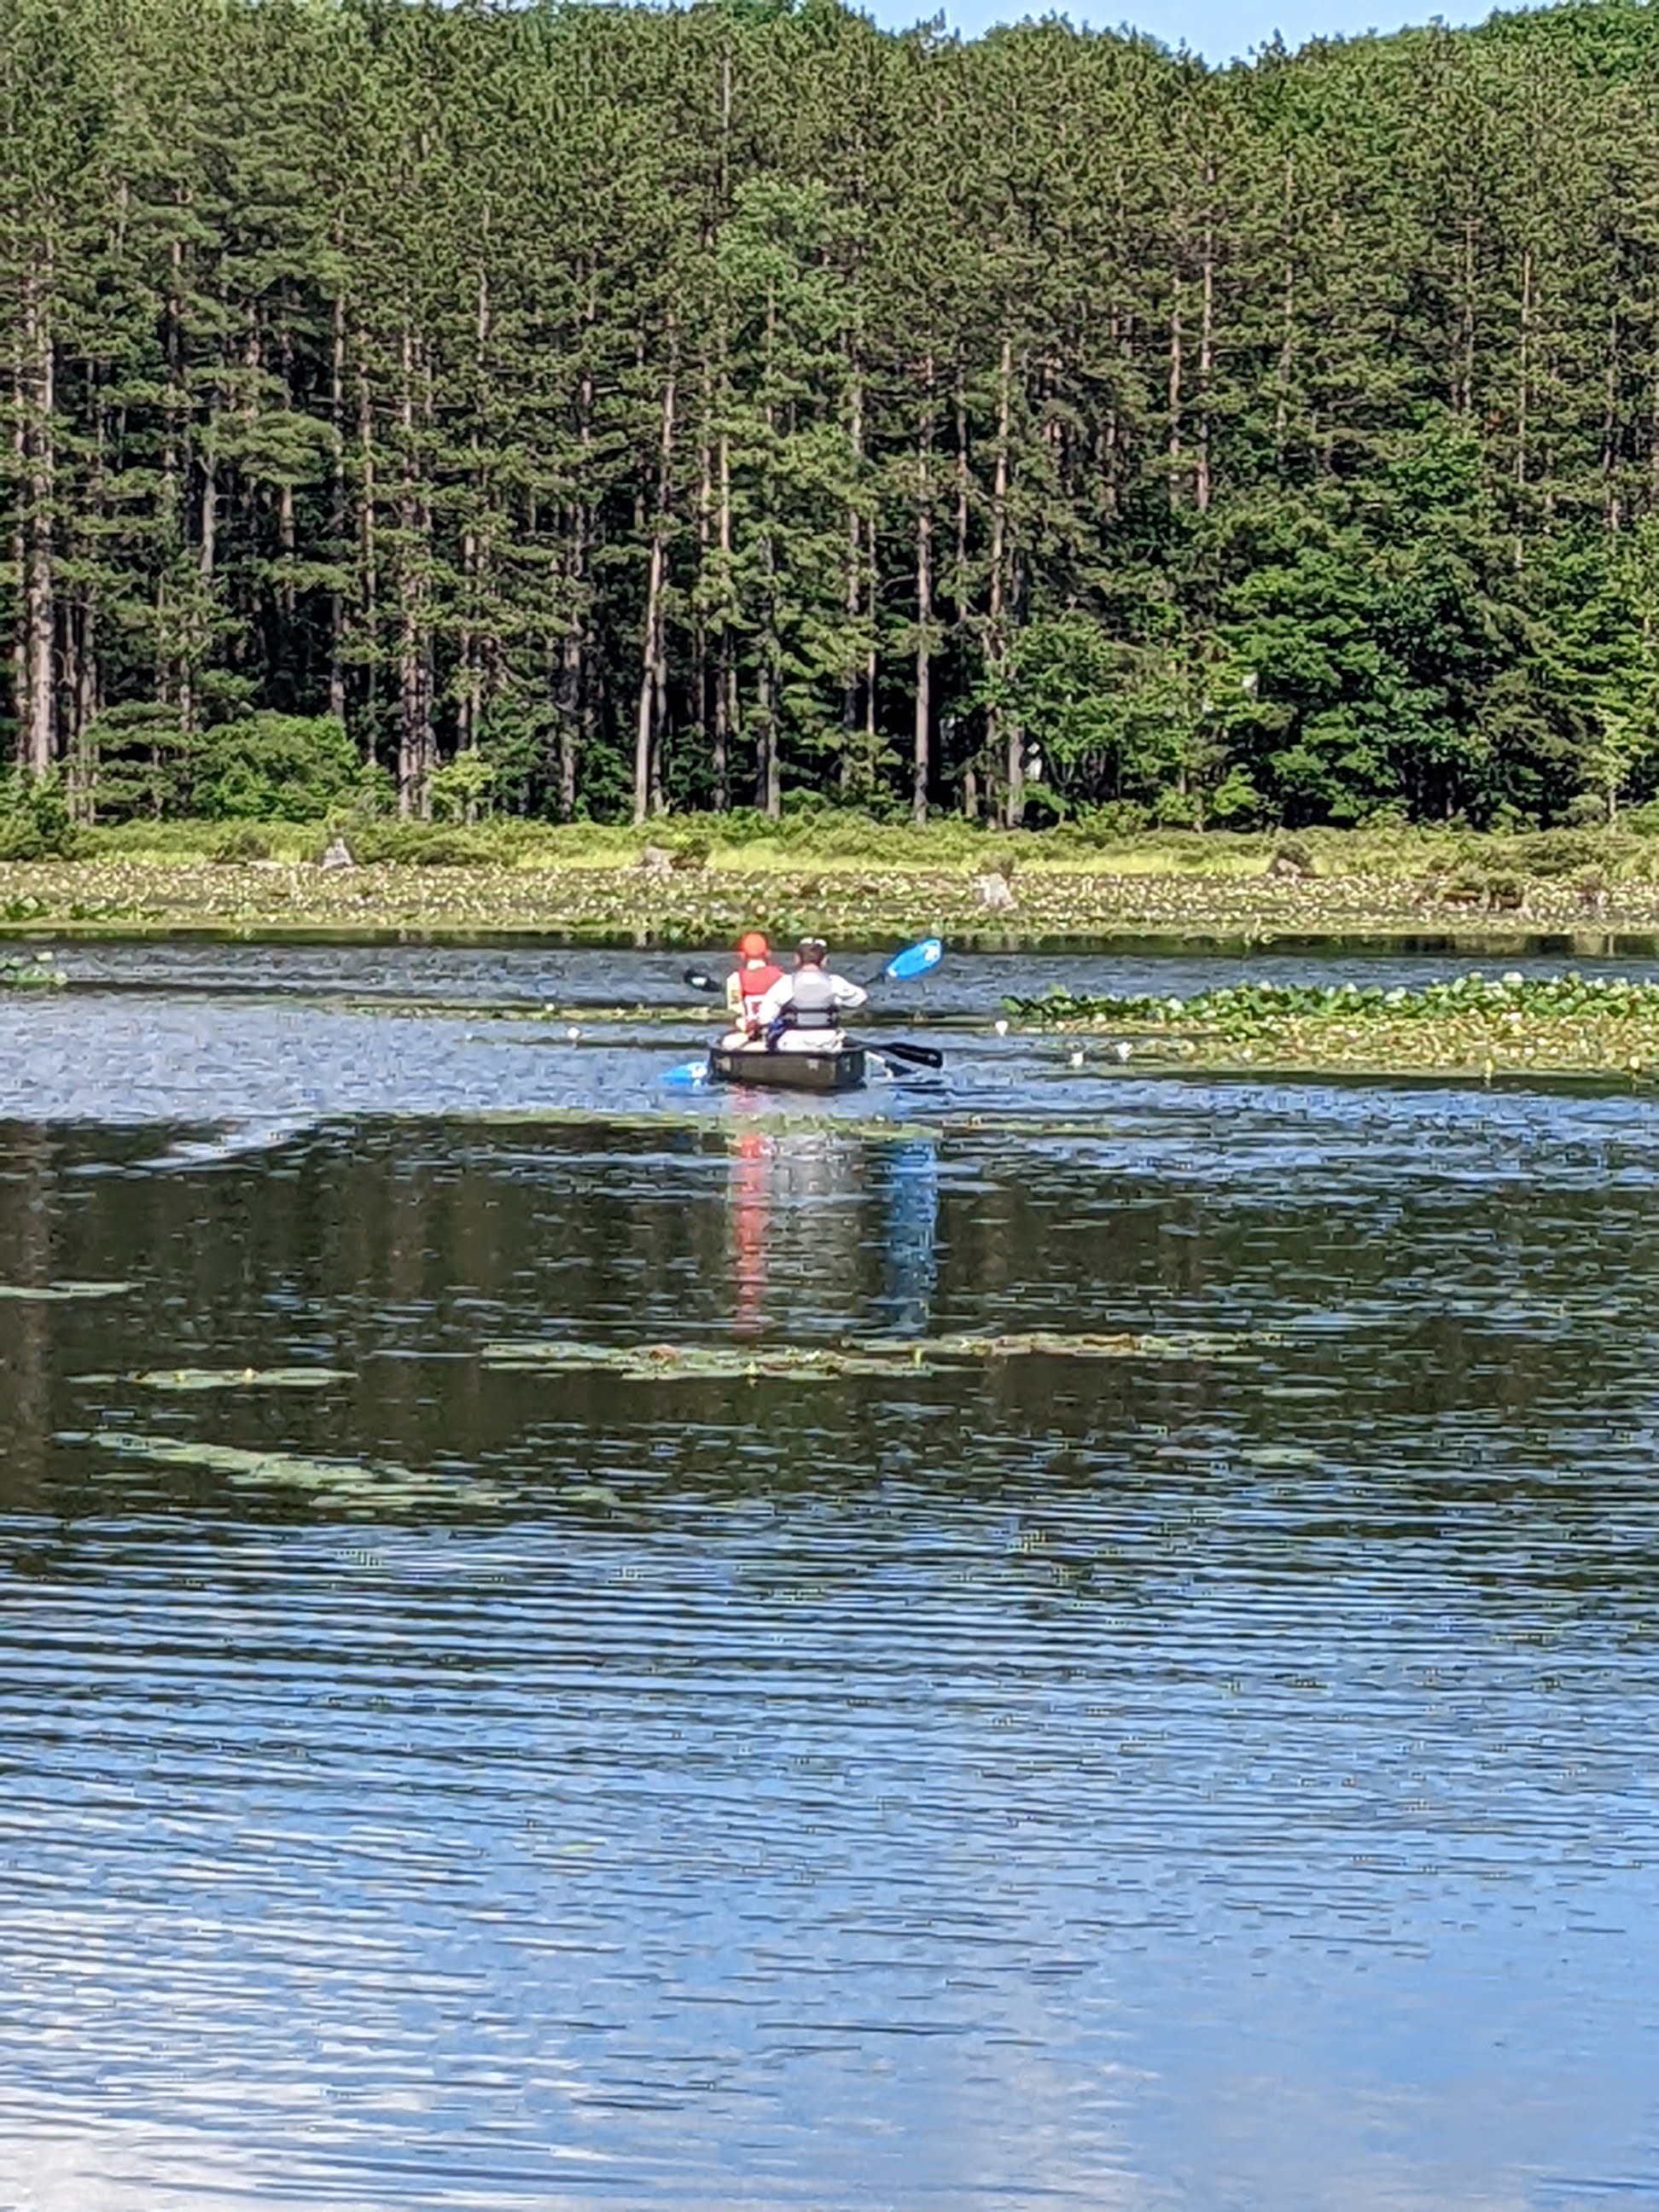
(595,412)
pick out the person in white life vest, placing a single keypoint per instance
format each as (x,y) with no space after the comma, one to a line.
(802,1013)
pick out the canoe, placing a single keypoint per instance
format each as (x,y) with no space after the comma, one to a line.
(842,1069)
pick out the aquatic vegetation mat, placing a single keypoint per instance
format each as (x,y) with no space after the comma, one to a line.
(226,1378)
(1570,1023)
(369,1486)
(29,972)
(1059,894)
(886,1359)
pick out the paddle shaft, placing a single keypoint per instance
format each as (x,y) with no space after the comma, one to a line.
(699,981)
(914,960)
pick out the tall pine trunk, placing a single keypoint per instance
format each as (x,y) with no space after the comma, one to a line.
(920,750)
(853,595)
(959,597)
(1003,731)
(654,649)
(574,692)
(469,706)
(702,702)
(369,560)
(1176,367)
(768,780)
(727,714)
(1206,341)
(337,510)
(415,734)
(38,690)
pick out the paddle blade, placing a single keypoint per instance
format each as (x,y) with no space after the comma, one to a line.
(699,980)
(914,960)
(687,1076)
(918,1055)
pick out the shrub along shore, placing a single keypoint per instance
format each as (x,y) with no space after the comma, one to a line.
(693,883)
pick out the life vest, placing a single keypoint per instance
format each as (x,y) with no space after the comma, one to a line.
(750,982)
(812,995)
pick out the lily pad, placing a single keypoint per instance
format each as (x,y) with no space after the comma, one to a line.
(24,973)
(674,1363)
(238,1378)
(872,1356)
(357,1478)
(590,1493)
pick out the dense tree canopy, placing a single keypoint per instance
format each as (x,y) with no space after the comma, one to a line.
(636,408)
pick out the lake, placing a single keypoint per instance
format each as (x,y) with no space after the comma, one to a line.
(1200,1754)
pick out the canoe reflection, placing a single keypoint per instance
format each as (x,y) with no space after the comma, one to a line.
(823,1229)
(911,1172)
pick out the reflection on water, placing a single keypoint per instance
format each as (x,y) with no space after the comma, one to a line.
(910,1170)
(1163,1781)
(796,1217)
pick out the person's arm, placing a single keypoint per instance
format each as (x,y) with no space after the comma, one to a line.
(848,996)
(780,995)
(734,994)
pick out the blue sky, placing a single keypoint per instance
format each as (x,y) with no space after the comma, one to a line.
(1211,28)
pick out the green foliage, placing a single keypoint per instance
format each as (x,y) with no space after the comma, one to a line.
(430,845)
(243,843)
(30,971)
(582,414)
(1103,717)
(1235,1010)
(139,754)
(35,823)
(463,789)
(271,768)
(259,768)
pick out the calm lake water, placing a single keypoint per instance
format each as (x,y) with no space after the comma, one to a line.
(1224,1777)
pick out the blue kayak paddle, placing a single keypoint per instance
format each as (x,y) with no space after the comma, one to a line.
(904,967)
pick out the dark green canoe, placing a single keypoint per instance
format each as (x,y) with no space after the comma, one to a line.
(789,1071)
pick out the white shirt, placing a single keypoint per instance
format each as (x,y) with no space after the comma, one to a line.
(848,998)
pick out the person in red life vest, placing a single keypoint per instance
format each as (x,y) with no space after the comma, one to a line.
(748,983)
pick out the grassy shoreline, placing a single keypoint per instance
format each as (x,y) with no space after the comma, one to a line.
(856,882)
(1225,892)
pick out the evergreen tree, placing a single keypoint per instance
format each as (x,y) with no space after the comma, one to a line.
(617,410)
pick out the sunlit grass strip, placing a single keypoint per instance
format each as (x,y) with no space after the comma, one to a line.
(1563,1024)
(869,904)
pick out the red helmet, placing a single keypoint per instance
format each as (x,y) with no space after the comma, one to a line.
(752,945)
